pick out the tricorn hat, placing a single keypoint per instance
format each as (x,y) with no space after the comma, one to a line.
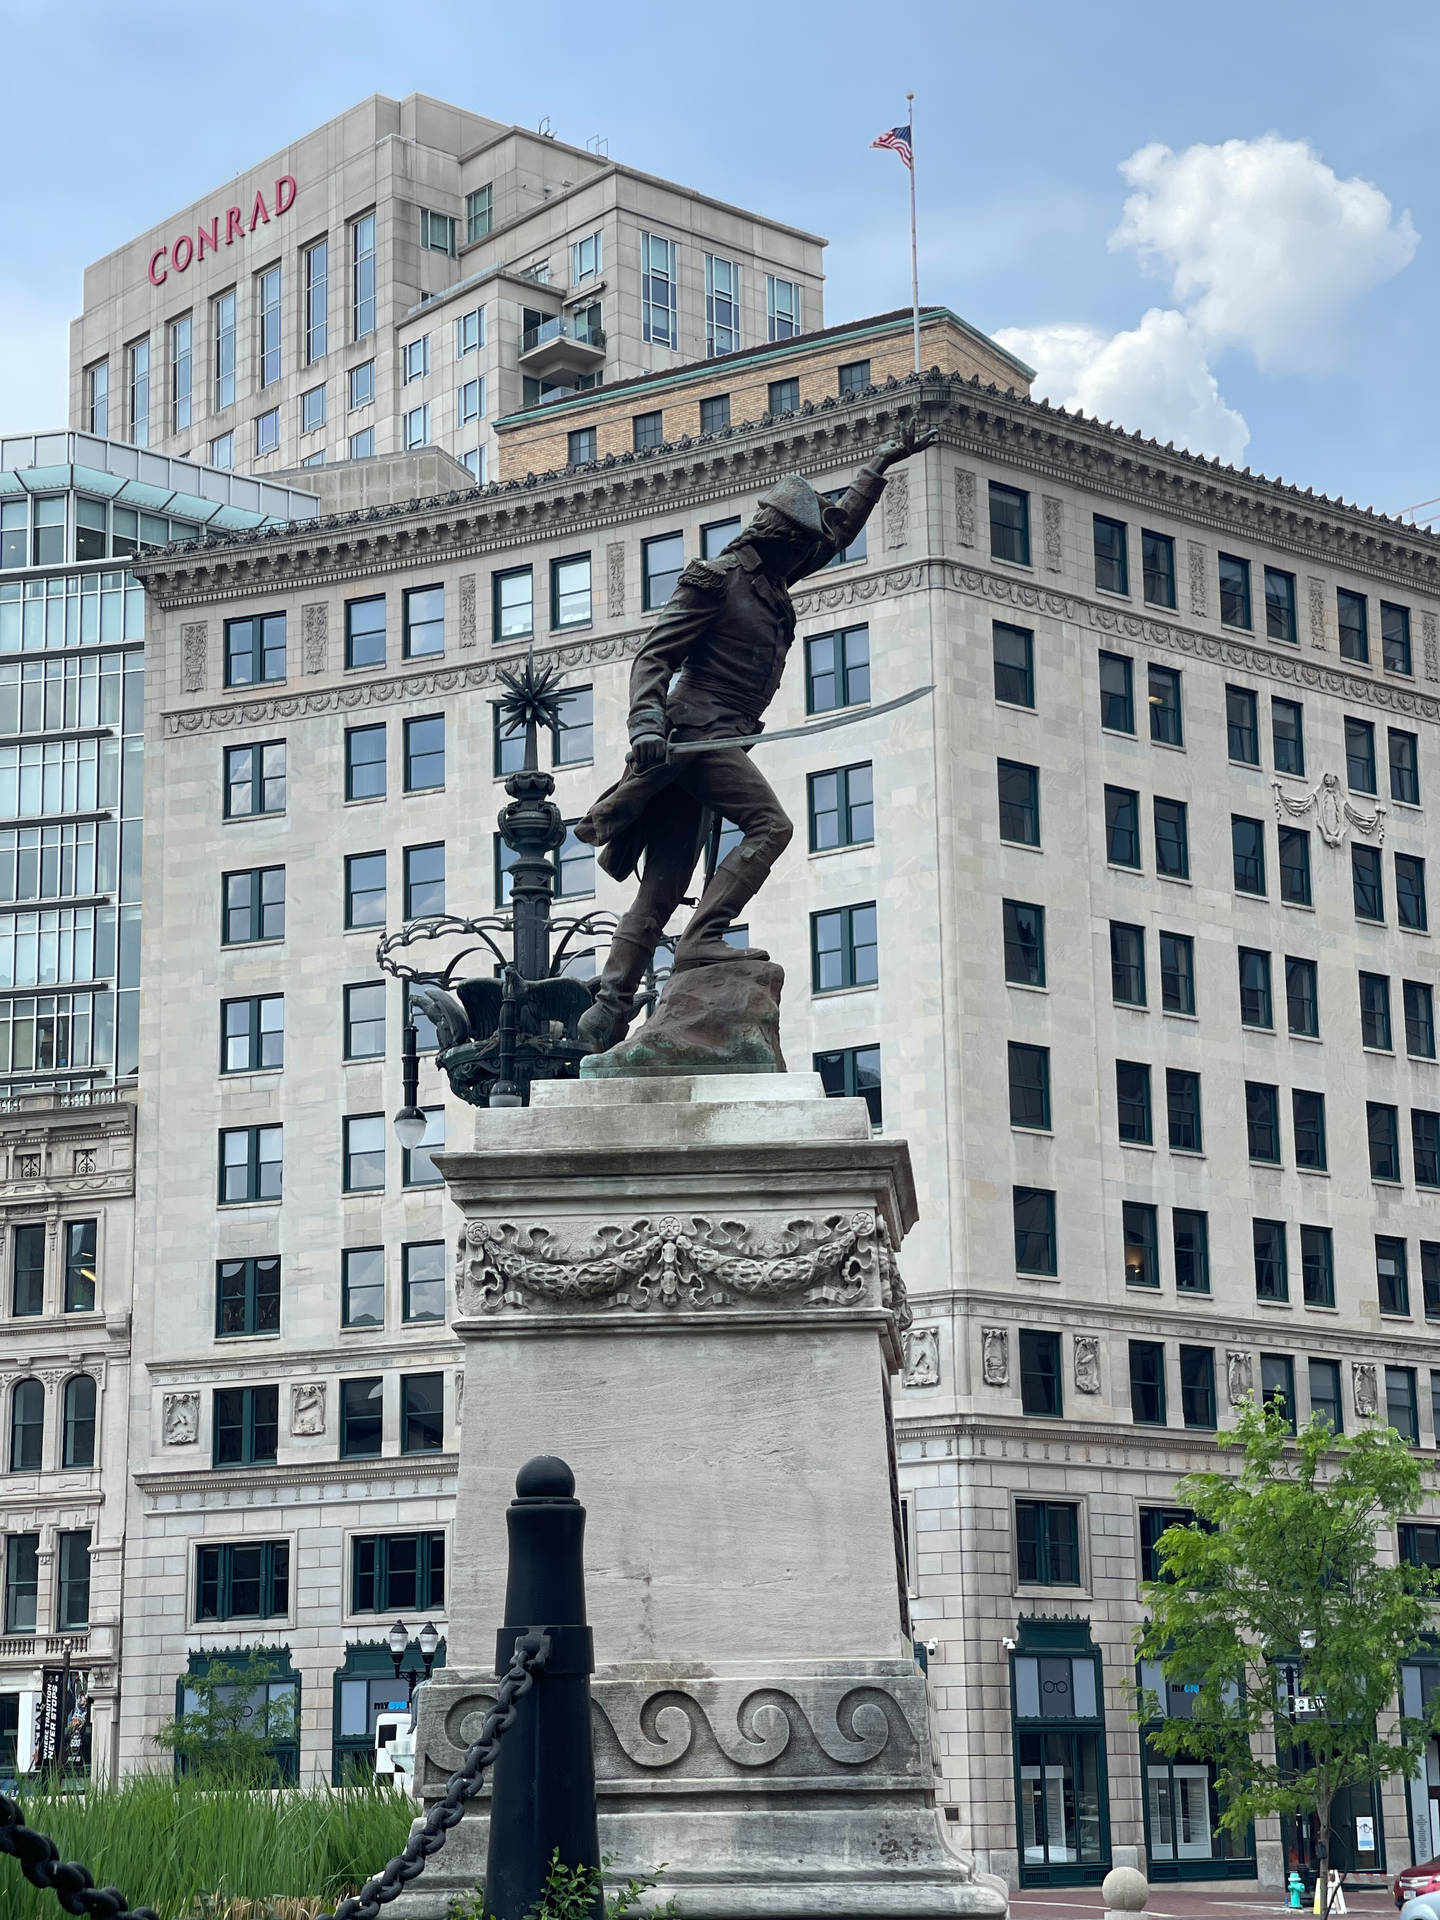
(798,501)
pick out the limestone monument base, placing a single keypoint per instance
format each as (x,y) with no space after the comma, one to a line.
(686,1287)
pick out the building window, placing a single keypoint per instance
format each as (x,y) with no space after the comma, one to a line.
(1410,892)
(1425,1144)
(245,1426)
(1295,866)
(580,447)
(27,1270)
(1165,717)
(1041,1389)
(364,1139)
(1375,1011)
(1024,943)
(267,305)
(1140,1227)
(1234,591)
(1132,1099)
(361,1418)
(362,1287)
(27,1426)
(22,1582)
(1401,1410)
(317,297)
(252,1033)
(1242,726)
(479,212)
(365,890)
(722,309)
(1247,846)
(1419,1020)
(854,377)
(842,808)
(254,906)
(243,1582)
(425,880)
(1009,524)
(437,231)
(365,763)
(425,753)
(1272,1274)
(1029,1086)
(1172,840)
(97,399)
(1190,1236)
(250,1163)
(844,949)
(783,396)
(574,743)
(852,1073)
(714,418)
(423,1280)
(1392,1274)
(422,1412)
(254,649)
(267,431)
(77,1438)
(80,1265)
(1013,650)
(1112,562)
(1354,625)
(1197,1387)
(1033,1210)
(1395,637)
(1367,883)
(1404,767)
(222,328)
(362,444)
(514,603)
(469,332)
(1127,964)
(1262,1122)
(1019,791)
(1177,973)
(247,1296)
(1382,1130)
(312,412)
(1325,1397)
(417,1169)
(1302,1004)
(1307,1114)
(365,1021)
(648,430)
(398,1572)
(1047,1543)
(783,313)
(137,418)
(1287,735)
(1157,553)
(417,428)
(1280,606)
(1360,756)
(570,592)
(424,621)
(661,561)
(1182,1105)
(1255,1007)
(1147,1383)
(1117,693)
(362,286)
(659,319)
(837,669)
(365,632)
(1430,1280)
(180,333)
(1122,827)
(72,1608)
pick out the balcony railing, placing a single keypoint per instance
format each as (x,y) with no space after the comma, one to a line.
(558,329)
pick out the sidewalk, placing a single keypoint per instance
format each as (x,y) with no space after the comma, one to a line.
(1230,1900)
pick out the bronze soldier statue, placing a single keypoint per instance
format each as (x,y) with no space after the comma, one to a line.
(725,633)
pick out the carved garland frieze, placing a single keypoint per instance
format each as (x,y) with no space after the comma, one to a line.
(1333,812)
(193,646)
(314,637)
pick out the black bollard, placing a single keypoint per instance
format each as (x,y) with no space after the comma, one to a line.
(544,1788)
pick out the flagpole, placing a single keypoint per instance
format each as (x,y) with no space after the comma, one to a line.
(914,244)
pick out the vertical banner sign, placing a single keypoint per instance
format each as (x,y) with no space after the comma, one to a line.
(62,1730)
(47,1726)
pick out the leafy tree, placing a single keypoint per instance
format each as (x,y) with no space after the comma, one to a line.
(1274,1612)
(228,1735)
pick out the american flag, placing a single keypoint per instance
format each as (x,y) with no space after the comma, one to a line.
(898,141)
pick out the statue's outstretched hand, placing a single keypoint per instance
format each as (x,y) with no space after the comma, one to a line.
(913,439)
(647,750)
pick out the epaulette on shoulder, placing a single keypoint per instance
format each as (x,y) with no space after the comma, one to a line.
(707,575)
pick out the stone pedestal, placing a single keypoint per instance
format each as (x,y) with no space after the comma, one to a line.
(686,1287)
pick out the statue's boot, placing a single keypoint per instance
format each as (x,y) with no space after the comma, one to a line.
(607,1021)
(703,943)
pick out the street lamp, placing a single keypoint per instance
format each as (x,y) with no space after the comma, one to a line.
(398,1640)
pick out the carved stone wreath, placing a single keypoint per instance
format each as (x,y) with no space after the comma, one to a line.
(671,1261)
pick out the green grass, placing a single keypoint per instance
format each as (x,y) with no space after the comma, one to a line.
(173,1844)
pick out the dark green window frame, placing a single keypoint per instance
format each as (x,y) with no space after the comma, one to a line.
(425,753)
(841,807)
(253,893)
(220,1570)
(255,642)
(364,766)
(81,1270)
(1047,1543)
(852,1073)
(422,1412)
(245,1426)
(362,1417)
(365,637)
(1190,1239)
(261,1176)
(247,1296)
(362,1273)
(1112,555)
(429,1256)
(1197,1388)
(837,669)
(512,614)
(364,1028)
(844,948)
(251,1041)
(423,622)
(27,1269)
(374,1576)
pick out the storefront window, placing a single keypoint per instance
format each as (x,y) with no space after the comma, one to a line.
(1419,1681)
(1062,1809)
(1182,1807)
(366,1687)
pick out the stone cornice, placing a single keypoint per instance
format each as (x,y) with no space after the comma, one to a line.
(437,1470)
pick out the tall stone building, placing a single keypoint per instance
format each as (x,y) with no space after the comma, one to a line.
(404,274)
(1125,928)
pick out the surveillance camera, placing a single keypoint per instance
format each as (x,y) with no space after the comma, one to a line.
(1007,1645)
(932,1647)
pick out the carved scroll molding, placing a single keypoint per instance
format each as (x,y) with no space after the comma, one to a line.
(897,511)
(1430,644)
(1196,555)
(315,640)
(466,586)
(1053,511)
(194,644)
(1333,812)
(1317,614)
(965,506)
(615,579)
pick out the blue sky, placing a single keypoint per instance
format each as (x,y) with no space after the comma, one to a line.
(1289,295)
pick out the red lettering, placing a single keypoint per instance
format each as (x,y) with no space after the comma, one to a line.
(158,279)
(189,246)
(208,237)
(284,199)
(258,213)
(234,224)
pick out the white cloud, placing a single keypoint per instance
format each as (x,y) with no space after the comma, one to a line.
(1154,379)
(1264,245)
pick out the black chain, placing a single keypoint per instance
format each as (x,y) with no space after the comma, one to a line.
(532,1650)
(74,1886)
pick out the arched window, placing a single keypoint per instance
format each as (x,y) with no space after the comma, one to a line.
(27,1426)
(79,1435)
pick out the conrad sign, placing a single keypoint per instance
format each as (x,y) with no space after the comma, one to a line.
(179,253)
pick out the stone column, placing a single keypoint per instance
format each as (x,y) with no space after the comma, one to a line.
(686,1287)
